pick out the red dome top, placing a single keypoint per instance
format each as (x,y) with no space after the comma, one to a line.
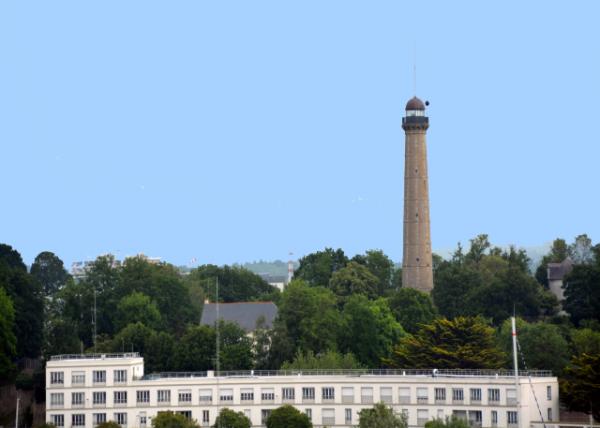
(415,104)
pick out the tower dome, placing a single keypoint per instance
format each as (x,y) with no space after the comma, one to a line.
(415,104)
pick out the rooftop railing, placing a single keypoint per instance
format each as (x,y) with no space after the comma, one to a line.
(63,357)
(354,372)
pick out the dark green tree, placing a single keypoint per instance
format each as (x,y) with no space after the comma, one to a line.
(449,422)
(158,352)
(352,279)
(582,293)
(379,265)
(460,343)
(316,268)
(50,272)
(326,360)
(229,419)
(195,351)
(137,307)
(169,419)
(411,308)
(453,281)
(288,416)
(236,347)
(381,416)
(585,341)
(579,387)
(8,341)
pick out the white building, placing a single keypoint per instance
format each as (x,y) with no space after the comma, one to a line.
(84,390)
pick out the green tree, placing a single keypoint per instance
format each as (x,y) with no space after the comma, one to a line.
(158,352)
(379,265)
(316,268)
(558,252)
(381,416)
(582,293)
(236,347)
(8,341)
(449,422)
(137,307)
(263,338)
(586,341)
(411,308)
(453,281)
(229,419)
(353,279)
(133,337)
(50,272)
(195,351)
(169,419)
(288,416)
(327,360)
(581,251)
(369,330)
(579,387)
(460,343)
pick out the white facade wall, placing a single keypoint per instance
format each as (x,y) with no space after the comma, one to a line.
(415,405)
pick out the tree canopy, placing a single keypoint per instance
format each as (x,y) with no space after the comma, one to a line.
(327,360)
(579,388)
(411,308)
(230,419)
(169,419)
(288,416)
(381,416)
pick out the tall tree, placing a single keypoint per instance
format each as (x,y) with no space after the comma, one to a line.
(230,419)
(235,347)
(461,343)
(581,251)
(381,416)
(582,293)
(449,422)
(379,265)
(453,282)
(288,416)
(353,279)
(8,341)
(137,307)
(50,272)
(316,268)
(579,388)
(412,308)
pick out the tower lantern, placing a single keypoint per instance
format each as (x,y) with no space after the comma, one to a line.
(417,271)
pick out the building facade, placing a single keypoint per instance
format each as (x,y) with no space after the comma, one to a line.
(85,390)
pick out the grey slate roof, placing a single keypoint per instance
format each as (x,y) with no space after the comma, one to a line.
(244,313)
(557,271)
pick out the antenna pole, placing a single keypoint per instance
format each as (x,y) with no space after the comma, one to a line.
(95,322)
(17,414)
(218,347)
(516,367)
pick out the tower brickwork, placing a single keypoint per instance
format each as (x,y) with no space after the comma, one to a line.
(417,271)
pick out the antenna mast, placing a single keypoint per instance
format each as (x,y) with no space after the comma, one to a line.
(218,347)
(516,366)
(94,320)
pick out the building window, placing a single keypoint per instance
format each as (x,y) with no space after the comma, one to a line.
(57,378)
(366,395)
(385,394)
(78,378)
(440,395)
(288,393)
(511,397)
(264,415)
(549,392)
(99,376)
(78,420)
(422,416)
(549,414)
(493,395)
(143,396)
(475,394)
(328,416)
(226,394)
(205,416)
(348,415)
(347,394)
(186,413)
(57,399)
(458,395)
(206,395)
(247,394)
(120,376)
(163,396)
(58,420)
(404,395)
(512,418)
(185,395)
(308,413)
(99,397)
(121,419)
(98,418)
(422,395)
(328,393)
(475,418)
(308,393)
(77,398)
(143,420)
(494,418)
(267,394)
(120,397)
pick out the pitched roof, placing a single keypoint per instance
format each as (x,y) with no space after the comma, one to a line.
(559,270)
(245,314)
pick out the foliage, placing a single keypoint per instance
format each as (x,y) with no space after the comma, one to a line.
(195,351)
(460,343)
(354,279)
(169,419)
(8,340)
(381,416)
(541,345)
(579,387)
(411,308)
(369,330)
(317,268)
(449,422)
(229,419)
(50,272)
(558,252)
(582,293)
(586,341)
(454,281)
(236,284)
(327,360)
(236,347)
(288,416)
(137,307)
(379,265)
(581,251)
(24,381)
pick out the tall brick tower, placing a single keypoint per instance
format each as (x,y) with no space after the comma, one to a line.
(416,264)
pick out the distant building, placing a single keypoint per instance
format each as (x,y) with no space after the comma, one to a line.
(556,275)
(80,269)
(245,314)
(279,281)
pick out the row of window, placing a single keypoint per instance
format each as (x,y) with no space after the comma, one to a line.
(308,393)
(78,377)
(328,417)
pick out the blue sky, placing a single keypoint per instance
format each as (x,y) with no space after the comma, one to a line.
(236,131)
